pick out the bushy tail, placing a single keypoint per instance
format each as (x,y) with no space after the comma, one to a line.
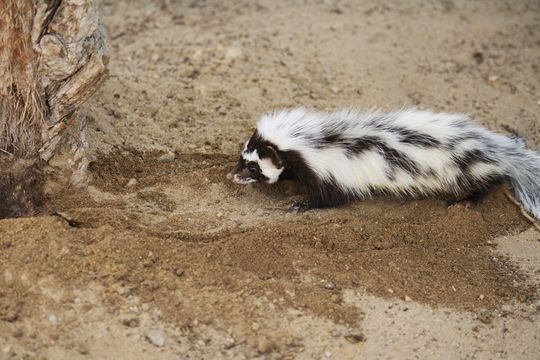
(524,172)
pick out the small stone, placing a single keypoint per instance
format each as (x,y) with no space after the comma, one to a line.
(219,215)
(390,291)
(18,333)
(179,272)
(8,277)
(493,78)
(355,338)
(481,297)
(407,299)
(336,10)
(229,343)
(132,182)
(131,322)
(263,345)
(116,114)
(192,146)
(478,57)
(25,280)
(335,89)
(328,285)
(255,327)
(83,349)
(167,157)
(10,316)
(53,319)
(327,354)
(155,337)
(232,53)
(485,317)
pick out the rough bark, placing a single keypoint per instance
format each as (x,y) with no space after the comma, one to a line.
(52,57)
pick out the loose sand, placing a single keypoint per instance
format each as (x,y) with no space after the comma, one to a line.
(162,258)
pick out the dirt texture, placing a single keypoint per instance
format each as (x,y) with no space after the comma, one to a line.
(161,257)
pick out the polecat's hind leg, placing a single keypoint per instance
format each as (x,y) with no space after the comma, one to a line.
(470,199)
(477,194)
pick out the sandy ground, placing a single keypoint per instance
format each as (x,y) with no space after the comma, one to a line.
(162,258)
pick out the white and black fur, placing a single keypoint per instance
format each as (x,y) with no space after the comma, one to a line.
(347,155)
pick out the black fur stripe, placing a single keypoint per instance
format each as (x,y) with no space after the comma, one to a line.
(321,193)
(354,147)
(416,138)
(357,146)
(398,159)
(468,158)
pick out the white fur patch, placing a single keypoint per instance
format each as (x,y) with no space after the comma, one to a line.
(270,170)
(251,156)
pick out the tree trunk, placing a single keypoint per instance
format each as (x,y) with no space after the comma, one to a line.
(52,57)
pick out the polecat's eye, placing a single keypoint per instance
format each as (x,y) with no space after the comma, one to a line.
(252,168)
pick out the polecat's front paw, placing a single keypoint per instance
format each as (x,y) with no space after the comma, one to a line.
(300,206)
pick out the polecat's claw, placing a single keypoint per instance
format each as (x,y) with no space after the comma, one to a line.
(299,206)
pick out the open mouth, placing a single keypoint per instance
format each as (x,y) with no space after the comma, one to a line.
(240,180)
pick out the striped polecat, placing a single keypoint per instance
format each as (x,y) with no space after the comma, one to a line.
(346,155)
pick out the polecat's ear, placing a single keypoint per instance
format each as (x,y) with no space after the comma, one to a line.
(273,154)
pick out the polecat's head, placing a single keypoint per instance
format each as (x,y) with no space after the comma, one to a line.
(259,162)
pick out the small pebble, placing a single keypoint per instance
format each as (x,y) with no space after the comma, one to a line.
(179,272)
(131,322)
(53,319)
(132,182)
(167,157)
(355,338)
(155,337)
(481,297)
(229,343)
(18,333)
(407,298)
(263,345)
(328,354)
(8,277)
(485,317)
(328,285)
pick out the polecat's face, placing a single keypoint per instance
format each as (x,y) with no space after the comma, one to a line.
(259,162)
